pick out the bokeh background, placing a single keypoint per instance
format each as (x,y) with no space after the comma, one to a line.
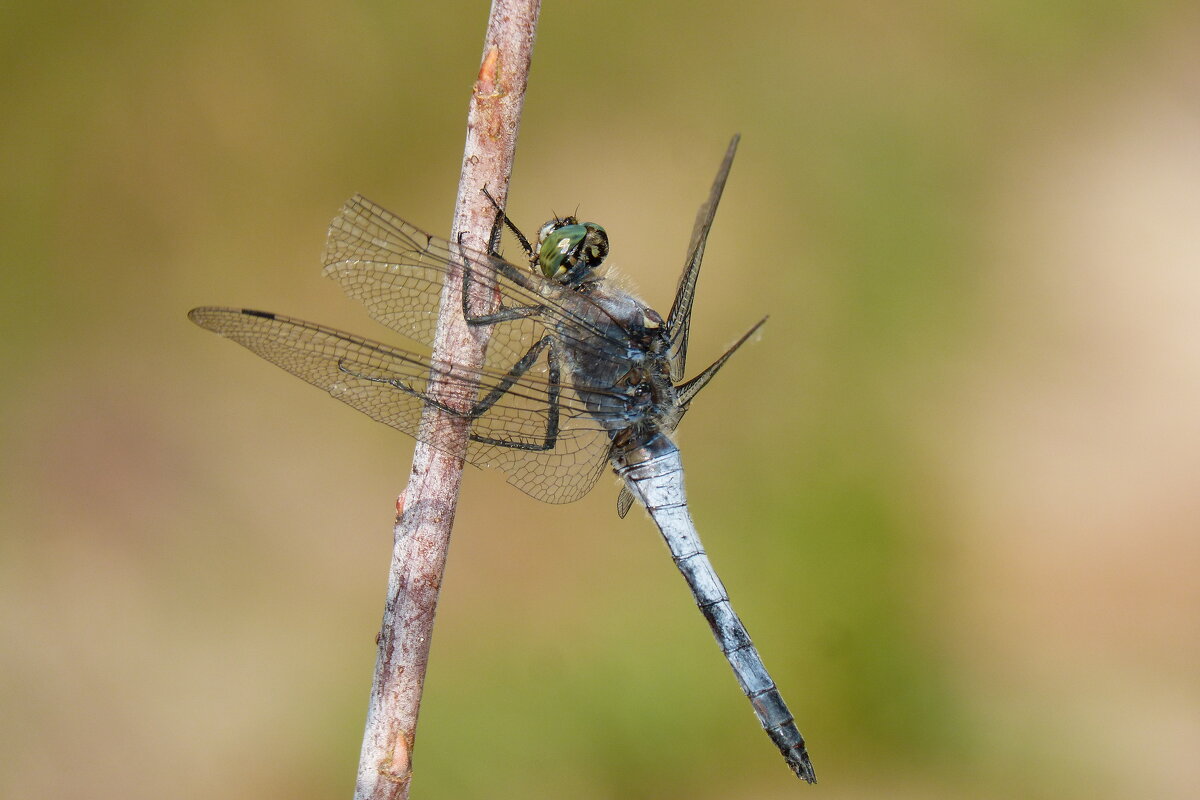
(954,488)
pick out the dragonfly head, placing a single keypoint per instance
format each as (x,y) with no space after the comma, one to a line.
(568,250)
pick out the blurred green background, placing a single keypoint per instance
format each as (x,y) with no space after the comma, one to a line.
(953,488)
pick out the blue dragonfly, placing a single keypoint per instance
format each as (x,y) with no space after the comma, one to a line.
(578,375)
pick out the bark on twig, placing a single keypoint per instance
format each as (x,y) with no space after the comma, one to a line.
(422,533)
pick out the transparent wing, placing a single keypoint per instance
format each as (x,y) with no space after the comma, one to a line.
(679,321)
(537,431)
(397,271)
(624,502)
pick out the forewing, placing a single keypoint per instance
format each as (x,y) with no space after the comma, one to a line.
(679,321)
(397,271)
(388,384)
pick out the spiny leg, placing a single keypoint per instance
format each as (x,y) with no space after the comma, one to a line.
(502,219)
(501,266)
(503,314)
(553,393)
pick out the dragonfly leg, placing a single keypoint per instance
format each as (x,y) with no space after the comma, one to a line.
(553,392)
(501,388)
(504,313)
(501,222)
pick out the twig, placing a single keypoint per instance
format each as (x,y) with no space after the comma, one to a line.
(422,533)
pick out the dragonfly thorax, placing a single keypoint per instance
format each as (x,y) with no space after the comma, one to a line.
(568,251)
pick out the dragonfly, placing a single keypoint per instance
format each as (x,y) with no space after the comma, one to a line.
(578,374)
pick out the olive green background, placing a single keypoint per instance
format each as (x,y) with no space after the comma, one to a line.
(952,488)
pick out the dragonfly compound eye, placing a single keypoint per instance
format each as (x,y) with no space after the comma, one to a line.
(568,250)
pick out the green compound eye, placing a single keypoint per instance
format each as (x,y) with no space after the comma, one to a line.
(569,250)
(558,246)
